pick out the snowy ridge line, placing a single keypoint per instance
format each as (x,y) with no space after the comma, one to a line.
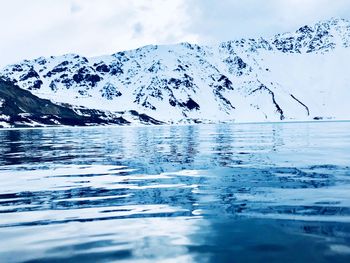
(300,75)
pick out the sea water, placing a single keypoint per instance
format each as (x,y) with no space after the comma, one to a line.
(204,193)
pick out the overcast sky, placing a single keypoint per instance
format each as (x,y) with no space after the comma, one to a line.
(33,28)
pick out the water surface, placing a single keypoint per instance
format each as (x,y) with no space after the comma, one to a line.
(205,193)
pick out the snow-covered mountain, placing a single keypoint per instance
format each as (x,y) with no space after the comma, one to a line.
(292,76)
(20,108)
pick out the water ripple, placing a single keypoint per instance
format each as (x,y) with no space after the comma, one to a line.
(190,193)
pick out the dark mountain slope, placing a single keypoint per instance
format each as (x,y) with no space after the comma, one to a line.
(20,108)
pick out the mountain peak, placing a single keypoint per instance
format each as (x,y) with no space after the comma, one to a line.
(336,21)
(246,79)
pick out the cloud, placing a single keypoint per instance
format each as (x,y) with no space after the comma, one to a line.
(232,19)
(138,30)
(75,8)
(95,27)
(88,27)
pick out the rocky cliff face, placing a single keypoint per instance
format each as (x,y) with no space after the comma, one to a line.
(20,108)
(293,76)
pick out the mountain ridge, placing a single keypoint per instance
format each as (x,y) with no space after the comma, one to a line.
(292,76)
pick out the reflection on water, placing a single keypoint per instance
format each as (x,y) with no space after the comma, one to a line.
(206,193)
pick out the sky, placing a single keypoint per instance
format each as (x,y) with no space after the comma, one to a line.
(34,28)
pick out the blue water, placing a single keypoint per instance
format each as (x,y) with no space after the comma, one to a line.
(205,193)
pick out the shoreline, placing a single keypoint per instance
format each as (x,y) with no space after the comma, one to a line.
(170,125)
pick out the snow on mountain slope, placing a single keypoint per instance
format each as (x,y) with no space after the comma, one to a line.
(20,108)
(292,76)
